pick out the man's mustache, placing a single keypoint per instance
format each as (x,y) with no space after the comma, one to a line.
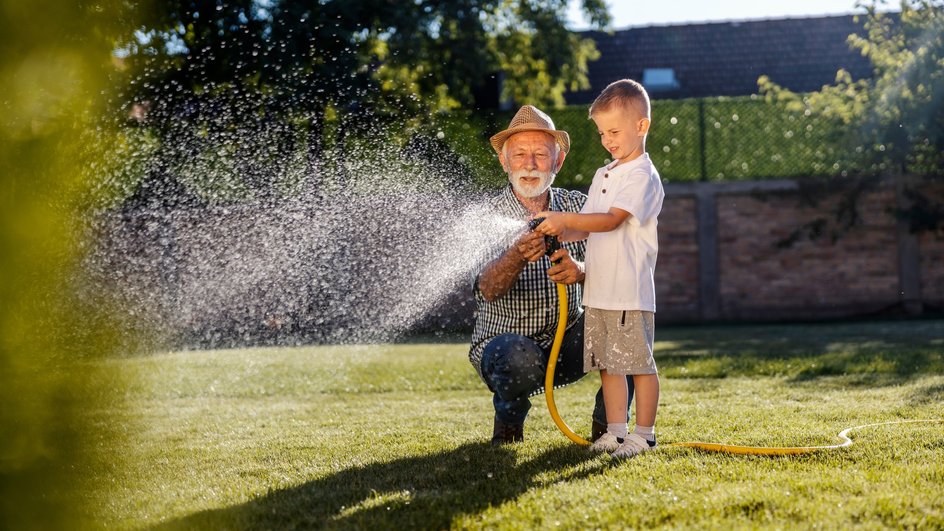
(530,173)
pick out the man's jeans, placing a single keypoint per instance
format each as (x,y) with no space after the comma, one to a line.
(514,367)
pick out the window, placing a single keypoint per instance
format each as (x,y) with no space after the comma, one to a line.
(659,79)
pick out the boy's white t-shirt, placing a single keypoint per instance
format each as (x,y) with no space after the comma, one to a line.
(620,264)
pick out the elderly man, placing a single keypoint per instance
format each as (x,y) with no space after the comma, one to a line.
(516,300)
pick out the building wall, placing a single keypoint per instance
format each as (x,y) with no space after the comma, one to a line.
(677,266)
(775,251)
(932,257)
(932,270)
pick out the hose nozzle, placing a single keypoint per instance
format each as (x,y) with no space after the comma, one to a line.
(551,243)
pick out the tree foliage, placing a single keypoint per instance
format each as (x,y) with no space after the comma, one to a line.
(399,58)
(235,90)
(894,122)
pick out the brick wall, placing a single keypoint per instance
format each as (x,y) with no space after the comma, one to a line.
(932,271)
(761,274)
(773,251)
(932,257)
(677,266)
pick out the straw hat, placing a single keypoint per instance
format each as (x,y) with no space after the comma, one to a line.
(530,118)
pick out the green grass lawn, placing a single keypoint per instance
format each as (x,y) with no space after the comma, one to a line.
(396,436)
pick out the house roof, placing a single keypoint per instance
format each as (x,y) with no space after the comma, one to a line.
(726,58)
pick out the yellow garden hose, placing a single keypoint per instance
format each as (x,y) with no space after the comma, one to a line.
(552,365)
(789,450)
(711,447)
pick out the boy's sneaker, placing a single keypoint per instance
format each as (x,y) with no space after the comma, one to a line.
(633,446)
(606,443)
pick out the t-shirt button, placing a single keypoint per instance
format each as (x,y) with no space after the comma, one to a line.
(605,175)
(604,190)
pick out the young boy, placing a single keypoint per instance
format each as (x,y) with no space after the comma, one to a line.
(619,220)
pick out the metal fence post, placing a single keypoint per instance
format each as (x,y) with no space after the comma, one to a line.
(701,139)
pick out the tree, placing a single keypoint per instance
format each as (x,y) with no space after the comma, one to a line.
(893,123)
(358,63)
(895,120)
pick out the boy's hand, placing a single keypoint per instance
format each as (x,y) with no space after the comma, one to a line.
(553,224)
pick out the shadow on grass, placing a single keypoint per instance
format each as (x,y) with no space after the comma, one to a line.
(932,394)
(885,353)
(426,491)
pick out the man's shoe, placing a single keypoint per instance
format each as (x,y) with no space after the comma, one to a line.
(507,433)
(596,431)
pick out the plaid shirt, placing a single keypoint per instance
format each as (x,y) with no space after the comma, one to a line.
(530,308)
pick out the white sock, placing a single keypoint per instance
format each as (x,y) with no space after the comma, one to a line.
(617,429)
(647,433)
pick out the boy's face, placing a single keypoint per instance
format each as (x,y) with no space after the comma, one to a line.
(622,132)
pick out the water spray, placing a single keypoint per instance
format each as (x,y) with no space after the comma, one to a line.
(552,244)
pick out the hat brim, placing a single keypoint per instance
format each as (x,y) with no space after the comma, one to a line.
(561,137)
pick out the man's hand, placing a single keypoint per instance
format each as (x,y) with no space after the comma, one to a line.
(501,274)
(531,246)
(567,271)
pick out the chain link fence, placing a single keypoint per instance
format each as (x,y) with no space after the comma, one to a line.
(708,139)
(716,139)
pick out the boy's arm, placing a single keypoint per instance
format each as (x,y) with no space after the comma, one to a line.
(571,235)
(570,226)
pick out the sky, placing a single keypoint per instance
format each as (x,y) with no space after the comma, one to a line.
(641,13)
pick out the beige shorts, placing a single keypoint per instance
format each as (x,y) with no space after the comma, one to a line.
(618,341)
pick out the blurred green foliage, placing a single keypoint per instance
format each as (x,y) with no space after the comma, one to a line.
(422,87)
(890,124)
(466,134)
(396,57)
(893,123)
(55,58)
(709,139)
(210,92)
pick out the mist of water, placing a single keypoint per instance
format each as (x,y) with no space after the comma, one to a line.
(380,242)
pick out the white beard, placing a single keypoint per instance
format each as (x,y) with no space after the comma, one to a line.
(529,191)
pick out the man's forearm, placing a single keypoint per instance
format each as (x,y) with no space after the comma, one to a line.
(581,272)
(501,273)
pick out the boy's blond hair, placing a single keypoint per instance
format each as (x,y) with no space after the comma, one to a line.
(624,93)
